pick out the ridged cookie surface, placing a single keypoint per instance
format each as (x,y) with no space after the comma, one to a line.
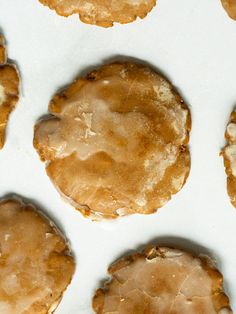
(9,90)
(160,281)
(102,12)
(35,262)
(230,7)
(116,143)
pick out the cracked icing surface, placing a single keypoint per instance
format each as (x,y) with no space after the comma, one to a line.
(116,141)
(162,281)
(102,12)
(229,154)
(230,7)
(35,261)
(9,90)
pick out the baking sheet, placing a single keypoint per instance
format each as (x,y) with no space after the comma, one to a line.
(193,42)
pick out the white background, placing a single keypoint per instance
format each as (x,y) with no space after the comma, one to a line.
(193,42)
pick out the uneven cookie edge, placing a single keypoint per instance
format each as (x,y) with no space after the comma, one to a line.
(231,179)
(68,250)
(100,23)
(55,108)
(150,253)
(4,62)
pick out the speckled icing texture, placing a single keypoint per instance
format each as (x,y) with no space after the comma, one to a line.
(117,141)
(102,12)
(230,7)
(229,154)
(9,90)
(160,281)
(35,261)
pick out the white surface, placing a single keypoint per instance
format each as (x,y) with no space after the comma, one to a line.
(193,42)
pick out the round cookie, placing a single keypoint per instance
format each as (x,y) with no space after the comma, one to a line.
(230,7)
(35,261)
(229,155)
(102,12)
(9,90)
(162,280)
(116,143)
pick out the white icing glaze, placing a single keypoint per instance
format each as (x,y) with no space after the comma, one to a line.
(94,118)
(178,182)
(230,152)
(141,201)
(135,2)
(231,131)
(127,119)
(163,91)
(2,95)
(170,281)
(28,279)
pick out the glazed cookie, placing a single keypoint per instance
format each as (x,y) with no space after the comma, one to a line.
(35,261)
(9,90)
(163,280)
(102,12)
(230,7)
(229,154)
(116,143)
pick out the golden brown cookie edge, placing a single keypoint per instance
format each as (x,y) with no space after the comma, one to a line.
(97,22)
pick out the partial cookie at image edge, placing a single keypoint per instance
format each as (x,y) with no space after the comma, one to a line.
(230,8)
(9,90)
(162,279)
(102,13)
(44,267)
(229,156)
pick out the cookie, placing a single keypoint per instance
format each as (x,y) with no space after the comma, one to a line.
(35,261)
(9,90)
(230,7)
(102,12)
(116,143)
(229,155)
(163,280)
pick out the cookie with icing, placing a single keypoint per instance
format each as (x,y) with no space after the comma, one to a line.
(36,264)
(162,280)
(230,7)
(116,141)
(102,12)
(9,90)
(229,155)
